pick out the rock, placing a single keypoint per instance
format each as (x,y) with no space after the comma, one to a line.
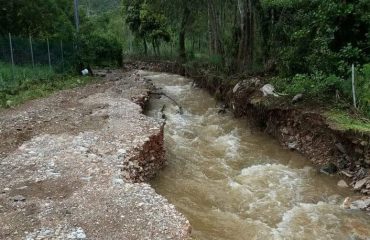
(285,131)
(347,174)
(347,203)
(361,173)
(118,182)
(292,145)
(236,88)
(297,98)
(360,184)
(19,198)
(342,184)
(342,163)
(329,168)
(340,147)
(255,81)
(77,234)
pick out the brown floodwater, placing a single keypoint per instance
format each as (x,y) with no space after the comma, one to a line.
(235,183)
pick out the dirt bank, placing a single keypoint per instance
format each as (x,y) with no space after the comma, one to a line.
(73,166)
(300,128)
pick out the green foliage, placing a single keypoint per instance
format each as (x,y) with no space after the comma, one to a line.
(101,39)
(325,36)
(10,79)
(100,50)
(39,18)
(152,24)
(96,7)
(146,24)
(323,87)
(315,85)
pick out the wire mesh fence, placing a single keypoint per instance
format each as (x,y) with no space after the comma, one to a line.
(28,58)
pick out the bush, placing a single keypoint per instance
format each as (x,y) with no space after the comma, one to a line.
(101,50)
(315,85)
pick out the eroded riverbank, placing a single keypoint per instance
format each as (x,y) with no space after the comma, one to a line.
(233,183)
(72,166)
(304,129)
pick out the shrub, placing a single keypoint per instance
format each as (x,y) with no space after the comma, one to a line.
(314,85)
(101,50)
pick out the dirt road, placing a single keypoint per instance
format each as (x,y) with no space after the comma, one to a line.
(74,166)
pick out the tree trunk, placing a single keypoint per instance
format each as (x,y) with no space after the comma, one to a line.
(215,23)
(145,47)
(154,49)
(182,33)
(245,51)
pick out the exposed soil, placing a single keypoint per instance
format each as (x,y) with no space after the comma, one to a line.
(73,166)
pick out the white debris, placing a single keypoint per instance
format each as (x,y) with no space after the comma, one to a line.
(268,89)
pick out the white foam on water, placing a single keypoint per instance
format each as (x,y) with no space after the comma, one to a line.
(230,143)
(321,221)
(271,190)
(234,184)
(153,75)
(175,90)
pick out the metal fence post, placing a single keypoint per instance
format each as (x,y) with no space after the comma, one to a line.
(32,57)
(77,17)
(353,86)
(47,41)
(62,54)
(11,53)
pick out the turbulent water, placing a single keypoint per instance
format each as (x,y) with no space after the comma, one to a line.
(233,183)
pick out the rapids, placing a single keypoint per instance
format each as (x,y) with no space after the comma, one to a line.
(235,183)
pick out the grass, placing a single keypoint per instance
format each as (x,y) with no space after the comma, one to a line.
(12,77)
(31,83)
(344,121)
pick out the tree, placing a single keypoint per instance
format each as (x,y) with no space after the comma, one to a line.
(40,18)
(146,24)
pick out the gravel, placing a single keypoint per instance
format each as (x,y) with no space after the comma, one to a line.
(77,167)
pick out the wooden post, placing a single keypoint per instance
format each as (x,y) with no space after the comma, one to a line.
(353,86)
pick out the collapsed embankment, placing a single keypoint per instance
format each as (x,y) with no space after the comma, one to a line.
(305,130)
(73,166)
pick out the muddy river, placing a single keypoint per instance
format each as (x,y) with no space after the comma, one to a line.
(235,183)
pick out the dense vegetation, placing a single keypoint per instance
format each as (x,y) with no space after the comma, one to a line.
(308,46)
(305,46)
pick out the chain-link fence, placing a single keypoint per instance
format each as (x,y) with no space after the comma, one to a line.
(28,58)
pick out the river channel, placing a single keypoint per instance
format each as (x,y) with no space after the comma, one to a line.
(235,183)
